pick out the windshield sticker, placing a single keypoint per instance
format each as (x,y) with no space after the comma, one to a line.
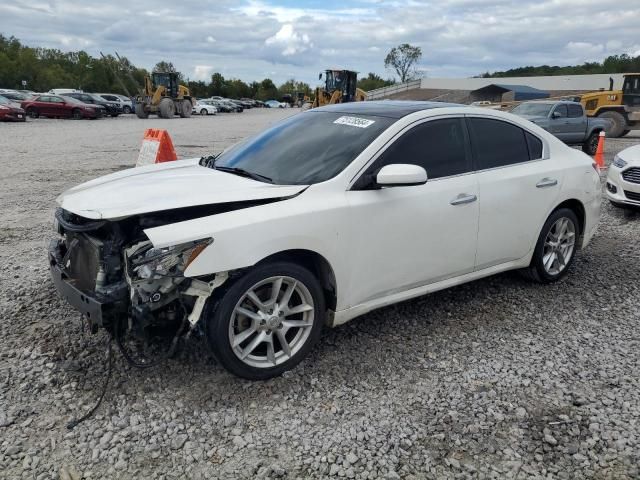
(354,122)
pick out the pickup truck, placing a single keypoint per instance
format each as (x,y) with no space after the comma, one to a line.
(566,120)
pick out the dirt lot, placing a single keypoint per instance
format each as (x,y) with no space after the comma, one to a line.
(495,379)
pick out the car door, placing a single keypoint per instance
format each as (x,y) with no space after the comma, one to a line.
(518,184)
(58,107)
(559,123)
(408,236)
(576,123)
(46,106)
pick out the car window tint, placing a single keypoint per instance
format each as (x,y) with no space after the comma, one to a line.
(535,146)
(439,146)
(497,143)
(561,110)
(575,111)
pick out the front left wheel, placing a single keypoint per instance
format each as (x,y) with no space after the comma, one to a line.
(267,321)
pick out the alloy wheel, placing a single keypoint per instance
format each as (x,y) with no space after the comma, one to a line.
(559,246)
(271,322)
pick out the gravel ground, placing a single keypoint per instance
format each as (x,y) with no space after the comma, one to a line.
(499,378)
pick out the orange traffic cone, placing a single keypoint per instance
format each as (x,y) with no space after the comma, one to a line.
(599,156)
(157,147)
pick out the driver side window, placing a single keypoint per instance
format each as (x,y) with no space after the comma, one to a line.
(441,147)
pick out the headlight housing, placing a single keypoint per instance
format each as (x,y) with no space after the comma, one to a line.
(618,162)
(148,262)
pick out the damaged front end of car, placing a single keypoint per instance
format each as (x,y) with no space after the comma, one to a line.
(110,272)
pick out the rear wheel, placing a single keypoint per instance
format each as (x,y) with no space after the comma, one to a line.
(185,108)
(618,123)
(140,111)
(167,108)
(32,112)
(590,147)
(126,109)
(556,247)
(267,321)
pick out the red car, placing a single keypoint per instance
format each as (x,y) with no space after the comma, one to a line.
(60,107)
(10,112)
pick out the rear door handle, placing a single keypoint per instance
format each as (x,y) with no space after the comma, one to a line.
(547,182)
(463,198)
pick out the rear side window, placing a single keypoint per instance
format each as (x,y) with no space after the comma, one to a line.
(497,143)
(439,146)
(535,146)
(575,111)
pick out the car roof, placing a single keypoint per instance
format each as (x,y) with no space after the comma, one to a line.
(385,108)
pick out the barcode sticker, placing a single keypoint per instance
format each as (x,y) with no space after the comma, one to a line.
(354,122)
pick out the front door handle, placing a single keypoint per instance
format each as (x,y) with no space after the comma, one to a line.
(547,182)
(463,198)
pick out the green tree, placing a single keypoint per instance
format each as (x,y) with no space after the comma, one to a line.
(403,59)
(373,81)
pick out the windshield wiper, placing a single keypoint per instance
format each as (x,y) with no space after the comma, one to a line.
(244,173)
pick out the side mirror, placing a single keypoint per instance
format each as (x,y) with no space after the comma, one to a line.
(401,174)
(556,114)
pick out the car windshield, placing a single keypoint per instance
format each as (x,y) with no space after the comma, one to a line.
(96,97)
(4,101)
(306,148)
(537,109)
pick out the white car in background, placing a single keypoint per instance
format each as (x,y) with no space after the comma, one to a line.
(623,179)
(125,103)
(321,218)
(204,108)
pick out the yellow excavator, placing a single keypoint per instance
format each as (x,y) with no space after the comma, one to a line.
(621,107)
(339,87)
(164,96)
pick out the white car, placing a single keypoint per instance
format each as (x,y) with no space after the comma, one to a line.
(623,179)
(324,216)
(125,103)
(204,108)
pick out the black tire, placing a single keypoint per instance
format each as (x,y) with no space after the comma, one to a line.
(140,111)
(625,132)
(591,145)
(536,270)
(204,112)
(32,112)
(619,123)
(114,115)
(185,107)
(76,114)
(219,314)
(167,108)
(126,109)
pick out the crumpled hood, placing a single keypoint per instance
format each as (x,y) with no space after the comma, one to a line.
(165,186)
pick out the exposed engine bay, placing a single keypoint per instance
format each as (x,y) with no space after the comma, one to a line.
(111,272)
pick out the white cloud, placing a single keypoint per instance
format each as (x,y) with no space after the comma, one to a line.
(202,72)
(289,40)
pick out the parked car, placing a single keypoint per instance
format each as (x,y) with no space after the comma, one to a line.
(10,111)
(203,107)
(14,95)
(623,179)
(112,108)
(225,105)
(566,120)
(47,105)
(60,91)
(125,103)
(372,204)
(273,104)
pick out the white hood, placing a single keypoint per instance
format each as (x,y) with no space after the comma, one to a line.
(164,186)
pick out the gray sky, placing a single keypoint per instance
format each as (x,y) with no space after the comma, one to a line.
(255,39)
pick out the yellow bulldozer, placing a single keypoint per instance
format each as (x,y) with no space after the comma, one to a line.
(621,107)
(340,86)
(164,96)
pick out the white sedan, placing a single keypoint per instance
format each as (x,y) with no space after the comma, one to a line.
(323,217)
(623,179)
(204,108)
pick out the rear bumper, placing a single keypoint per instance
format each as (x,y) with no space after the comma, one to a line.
(99,310)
